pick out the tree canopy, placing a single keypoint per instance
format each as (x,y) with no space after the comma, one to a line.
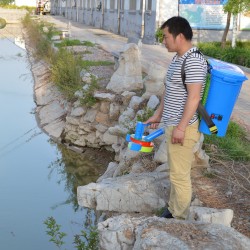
(6,2)
(237,6)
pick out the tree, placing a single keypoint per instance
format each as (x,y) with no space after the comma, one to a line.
(6,2)
(233,8)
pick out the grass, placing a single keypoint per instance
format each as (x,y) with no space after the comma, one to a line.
(233,146)
(86,64)
(74,42)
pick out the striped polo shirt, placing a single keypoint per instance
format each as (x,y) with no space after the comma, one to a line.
(175,92)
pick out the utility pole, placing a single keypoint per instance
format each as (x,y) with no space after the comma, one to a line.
(119,17)
(103,7)
(143,17)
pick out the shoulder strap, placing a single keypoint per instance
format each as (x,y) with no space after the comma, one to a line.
(201,110)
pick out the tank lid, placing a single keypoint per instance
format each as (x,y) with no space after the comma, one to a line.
(228,69)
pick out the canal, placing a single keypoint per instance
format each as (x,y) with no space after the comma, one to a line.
(38,178)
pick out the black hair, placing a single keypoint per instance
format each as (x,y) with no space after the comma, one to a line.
(177,25)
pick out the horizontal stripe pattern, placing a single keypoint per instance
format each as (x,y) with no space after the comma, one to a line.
(176,94)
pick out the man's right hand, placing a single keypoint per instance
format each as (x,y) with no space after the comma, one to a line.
(153,121)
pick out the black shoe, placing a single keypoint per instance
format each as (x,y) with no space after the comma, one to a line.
(166,214)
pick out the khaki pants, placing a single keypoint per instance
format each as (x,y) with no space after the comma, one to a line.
(180,159)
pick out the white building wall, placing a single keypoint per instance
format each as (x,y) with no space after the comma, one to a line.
(31,3)
(165,10)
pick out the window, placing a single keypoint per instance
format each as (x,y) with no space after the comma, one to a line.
(132,4)
(73,3)
(88,4)
(122,4)
(112,4)
(149,5)
(98,5)
(141,5)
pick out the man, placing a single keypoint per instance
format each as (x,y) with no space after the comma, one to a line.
(178,110)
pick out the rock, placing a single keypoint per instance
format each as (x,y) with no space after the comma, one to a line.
(138,233)
(86,126)
(105,107)
(211,215)
(128,76)
(126,154)
(137,167)
(154,81)
(114,111)
(101,128)
(50,112)
(153,102)
(109,139)
(80,141)
(126,116)
(117,234)
(135,102)
(46,94)
(160,155)
(129,193)
(79,111)
(90,115)
(109,172)
(118,130)
(103,96)
(73,120)
(127,95)
(102,118)
(196,202)
(55,129)
(162,168)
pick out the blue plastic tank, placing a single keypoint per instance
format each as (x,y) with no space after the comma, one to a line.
(225,85)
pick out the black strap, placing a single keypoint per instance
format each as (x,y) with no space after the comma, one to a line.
(201,110)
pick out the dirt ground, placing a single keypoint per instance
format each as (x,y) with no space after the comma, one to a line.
(222,190)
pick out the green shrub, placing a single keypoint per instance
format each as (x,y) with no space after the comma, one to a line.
(159,35)
(54,232)
(83,241)
(146,114)
(239,55)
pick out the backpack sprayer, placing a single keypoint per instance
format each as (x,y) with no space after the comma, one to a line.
(139,142)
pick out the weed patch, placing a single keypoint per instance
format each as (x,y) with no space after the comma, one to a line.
(233,146)
(66,76)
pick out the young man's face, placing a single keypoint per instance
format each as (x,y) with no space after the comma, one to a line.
(169,41)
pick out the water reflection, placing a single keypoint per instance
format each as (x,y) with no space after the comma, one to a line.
(28,196)
(76,169)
